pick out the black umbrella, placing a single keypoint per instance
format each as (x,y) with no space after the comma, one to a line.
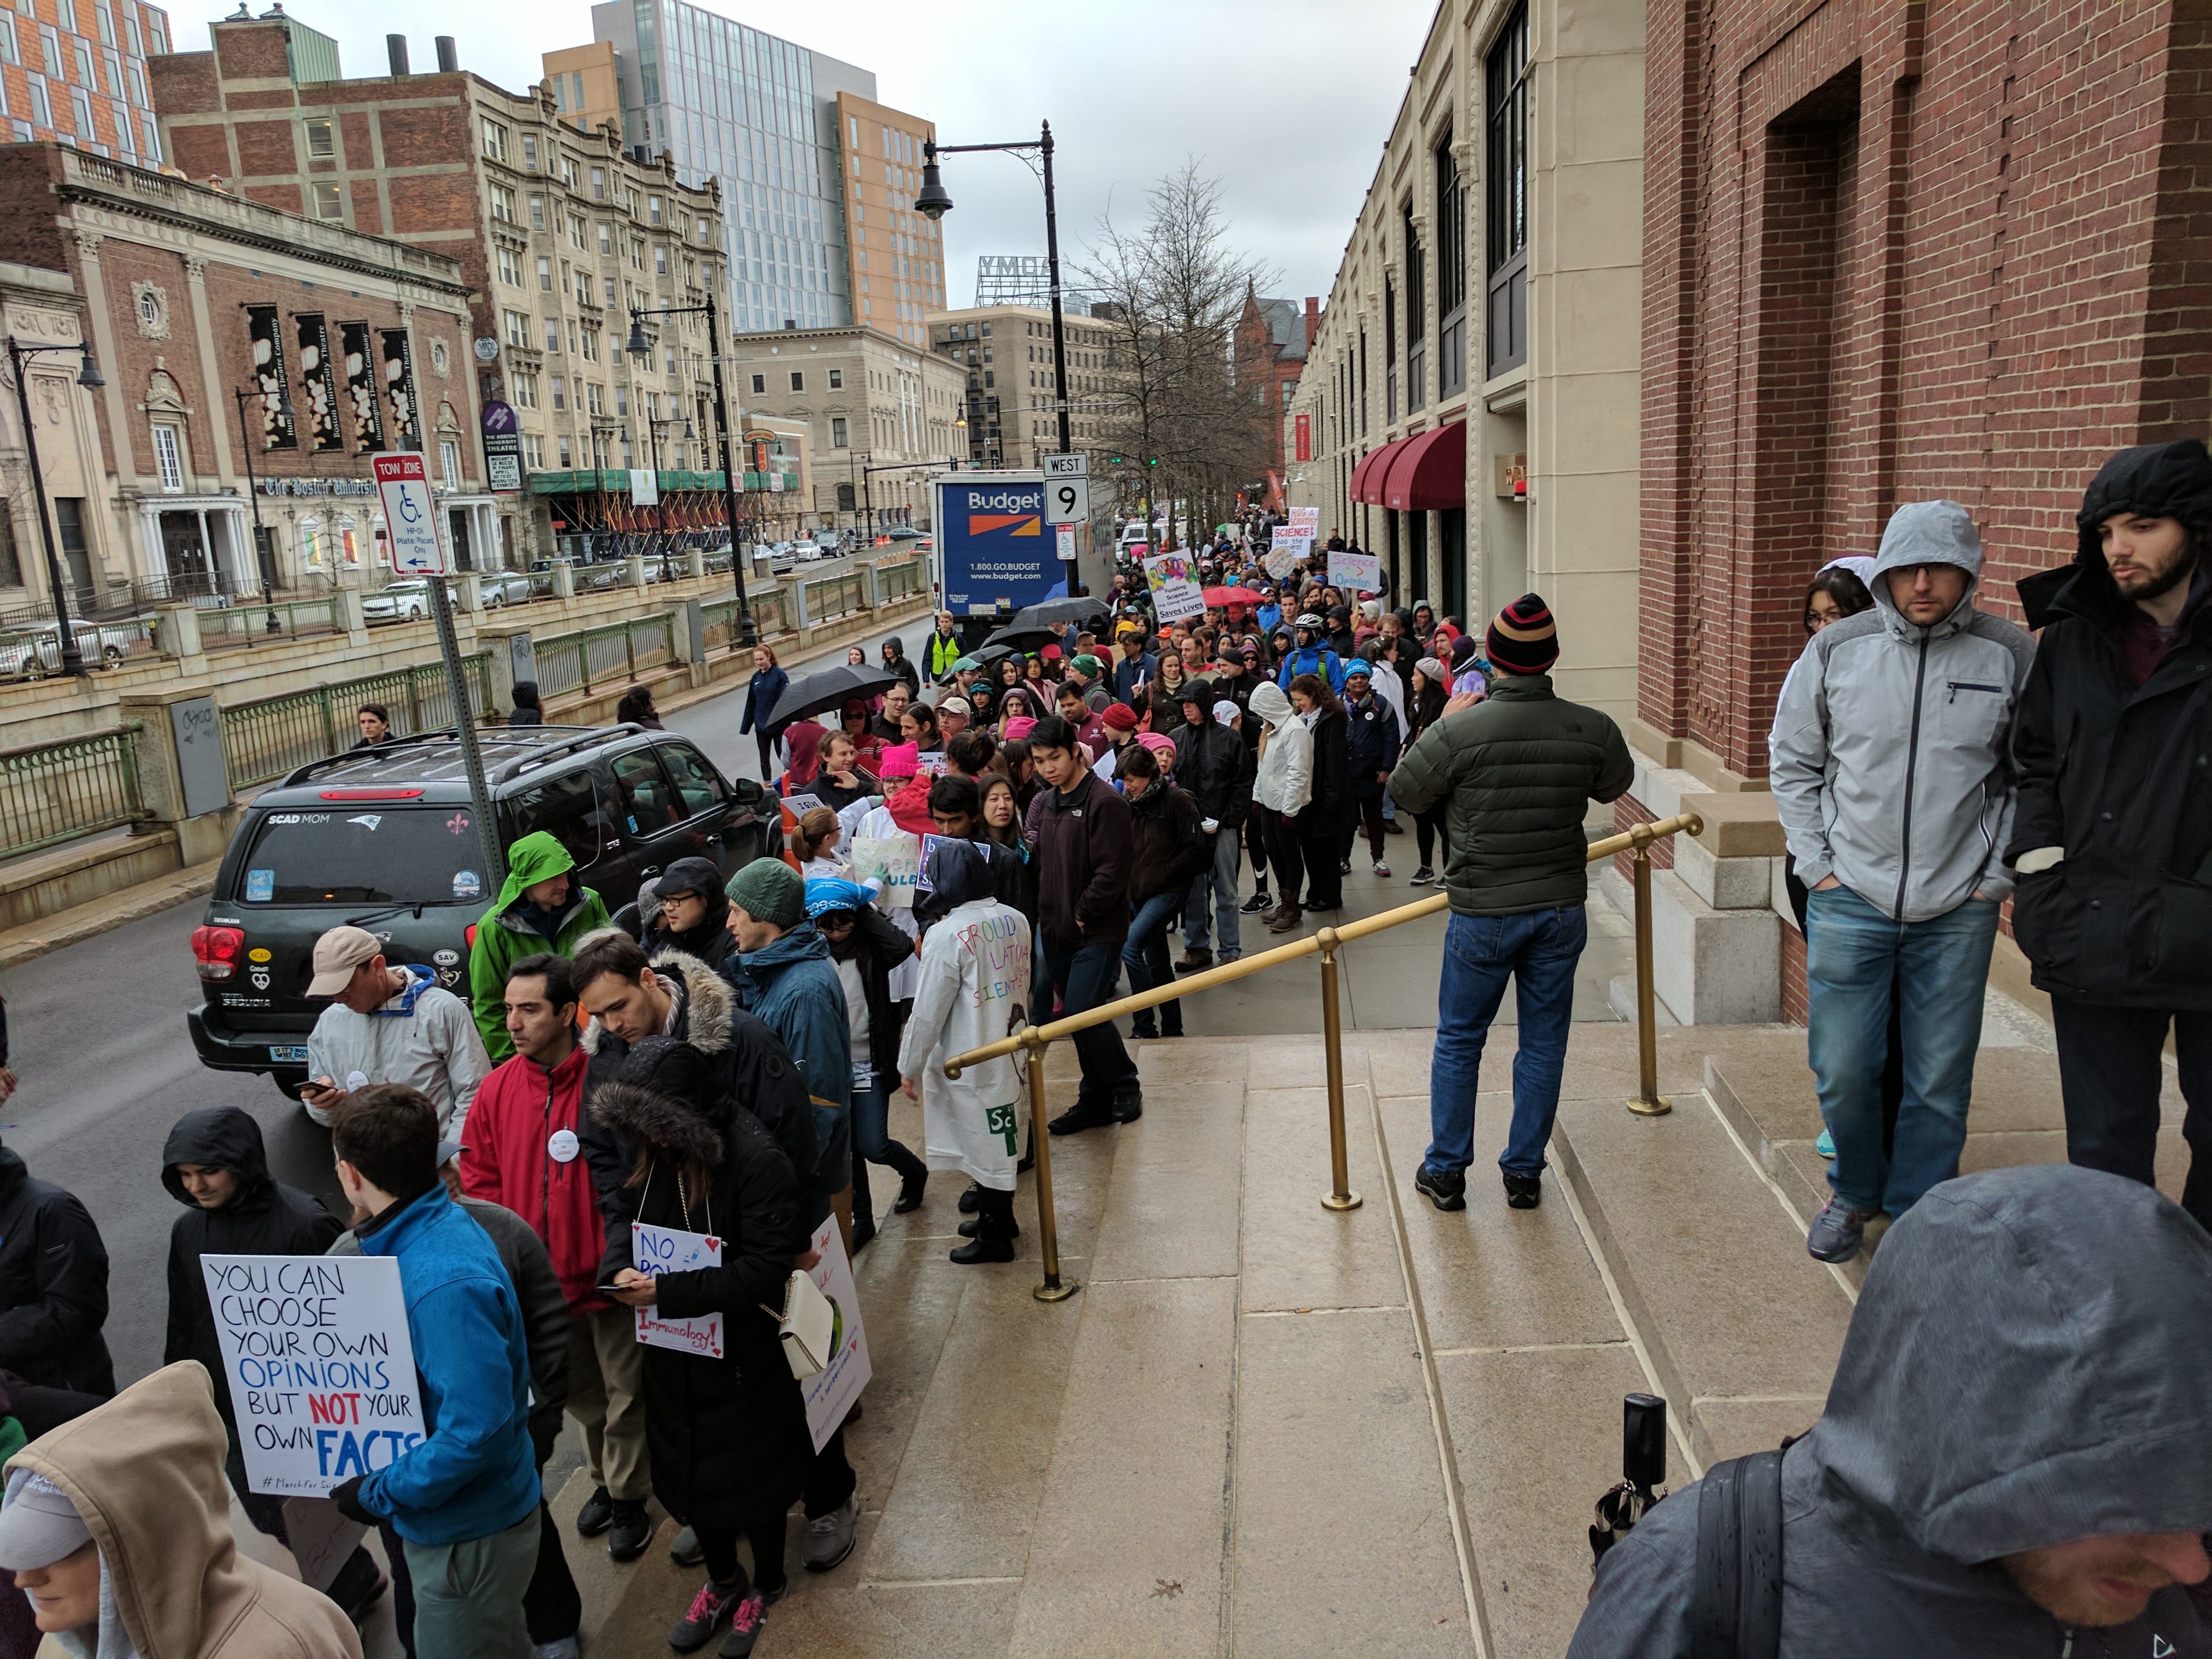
(994,651)
(1059,613)
(831,688)
(1016,636)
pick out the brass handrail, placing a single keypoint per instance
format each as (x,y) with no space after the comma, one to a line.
(1034,1040)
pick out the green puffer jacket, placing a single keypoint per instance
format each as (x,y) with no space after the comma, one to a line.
(505,934)
(1518,773)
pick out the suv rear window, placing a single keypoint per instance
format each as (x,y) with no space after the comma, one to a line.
(415,855)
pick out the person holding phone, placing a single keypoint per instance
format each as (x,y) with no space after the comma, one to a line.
(387,1024)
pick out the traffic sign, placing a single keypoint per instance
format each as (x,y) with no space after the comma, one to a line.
(1068,466)
(410,516)
(1066,500)
(1064,536)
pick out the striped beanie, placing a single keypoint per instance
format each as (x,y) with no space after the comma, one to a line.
(1522,639)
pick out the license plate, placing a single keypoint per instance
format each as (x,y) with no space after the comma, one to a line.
(294,1056)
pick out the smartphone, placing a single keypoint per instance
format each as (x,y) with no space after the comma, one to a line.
(615,1290)
(316,1086)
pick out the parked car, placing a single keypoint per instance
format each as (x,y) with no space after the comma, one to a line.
(500,587)
(903,533)
(31,655)
(398,602)
(386,839)
(806,552)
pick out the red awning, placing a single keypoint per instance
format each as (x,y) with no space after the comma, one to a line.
(1428,471)
(1367,477)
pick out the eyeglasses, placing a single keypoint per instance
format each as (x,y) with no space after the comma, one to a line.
(834,921)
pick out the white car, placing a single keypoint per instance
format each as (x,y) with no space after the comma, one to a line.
(498,588)
(806,552)
(28,656)
(398,602)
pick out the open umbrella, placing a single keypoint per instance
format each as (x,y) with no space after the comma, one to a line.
(989,656)
(1214,596)
(831,688)
(1060,612)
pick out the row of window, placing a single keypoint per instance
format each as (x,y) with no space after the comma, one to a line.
(169,462)
(592,396)
(124,79)
(799,380)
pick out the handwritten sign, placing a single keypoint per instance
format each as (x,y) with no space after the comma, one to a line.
(800,803)
(657,1250)
(321,1538)
(831,1391)
(1177,596)
(321,1370)
(894,861)
(1281,559)
(1355,572)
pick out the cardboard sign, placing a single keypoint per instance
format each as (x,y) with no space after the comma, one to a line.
(1177,596)
(801,803)
(1281,559)
(321,1370)
(895,861)
(656,1251)
(321,1539)
(1355,572)
(831,1391)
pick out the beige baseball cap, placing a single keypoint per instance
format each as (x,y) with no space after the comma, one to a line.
(337,953)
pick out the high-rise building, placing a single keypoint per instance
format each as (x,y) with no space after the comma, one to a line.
(81,78)
(760,113)
(897,271)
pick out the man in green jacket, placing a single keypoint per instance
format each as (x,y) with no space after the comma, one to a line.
(541,907)
(1519,772)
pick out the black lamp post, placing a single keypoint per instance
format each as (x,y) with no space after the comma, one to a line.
(747,636)
(652,425)
(89,377)
(261,554)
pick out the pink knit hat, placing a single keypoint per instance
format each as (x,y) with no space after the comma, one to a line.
(901,760)
(1159,743)
(1019,726)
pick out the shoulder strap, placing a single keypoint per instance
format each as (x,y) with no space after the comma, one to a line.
(1736,1609)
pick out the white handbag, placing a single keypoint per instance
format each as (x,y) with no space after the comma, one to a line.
(807,1326)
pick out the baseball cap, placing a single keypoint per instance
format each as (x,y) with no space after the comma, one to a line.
(39,1525)
(337,953)
(956,705)
(447,1152)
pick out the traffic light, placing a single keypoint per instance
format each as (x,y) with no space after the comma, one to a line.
(1153,460)
(1115,460)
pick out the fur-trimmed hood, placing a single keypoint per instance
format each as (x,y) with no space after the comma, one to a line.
(707,1003)
(663,1094)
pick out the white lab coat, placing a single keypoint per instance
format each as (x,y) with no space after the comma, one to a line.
(974,966)
(876,823)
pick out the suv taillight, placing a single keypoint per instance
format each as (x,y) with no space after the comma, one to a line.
(215,951)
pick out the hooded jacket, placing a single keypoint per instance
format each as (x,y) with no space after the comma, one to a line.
(1315,659)
(526,1116)
(708,938)
(53,1285)
(1891,748)
(895,661)
(2114,773)
(1282,778)
(1374,739)
(1085,845)
(1167,848)
(144,1473)
(422,1037)
(790,987)
(263,1218)
(2024,1367)
(1332,763)
(1215,765)
(514,928)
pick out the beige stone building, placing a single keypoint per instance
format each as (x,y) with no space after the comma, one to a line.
(1004,354)
(896,275)
(1469,403)
(880,414)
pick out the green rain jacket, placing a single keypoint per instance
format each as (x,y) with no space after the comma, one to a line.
(505,935)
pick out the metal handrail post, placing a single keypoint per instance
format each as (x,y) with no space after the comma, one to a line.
(1053,1289)
(1649,1102)
(1339,1195)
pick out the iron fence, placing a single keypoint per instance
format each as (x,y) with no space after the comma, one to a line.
(895,582)
(597,656)
(55,791)
(271,736)
(269,624)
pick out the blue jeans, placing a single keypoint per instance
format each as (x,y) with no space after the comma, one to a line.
(1086,974)
(873,1144)
(1852,951)
(1538,949)
(1221,879)
(1144,954)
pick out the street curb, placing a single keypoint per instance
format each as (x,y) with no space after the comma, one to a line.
(84,922)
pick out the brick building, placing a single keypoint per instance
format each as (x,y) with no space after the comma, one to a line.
(77,70)
(558,231)
(1271,342)
(1004,351)
(1892,252)
(340,343)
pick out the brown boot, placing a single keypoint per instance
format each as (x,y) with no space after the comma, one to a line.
(1285,919)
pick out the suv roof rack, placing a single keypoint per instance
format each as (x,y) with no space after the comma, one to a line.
(445,741)
(586,737)
(354,758)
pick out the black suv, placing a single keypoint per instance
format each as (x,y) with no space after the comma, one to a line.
(386,839)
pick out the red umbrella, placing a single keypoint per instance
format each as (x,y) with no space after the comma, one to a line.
(1220,596)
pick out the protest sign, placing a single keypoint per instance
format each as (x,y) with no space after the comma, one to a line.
(1177,596)
(929,843)
(320,1537)
(321,1369)
(831,1391)
(895,861)
(1355,572)
(801,803)
(1281,559)
(657,1250)
(1304,520)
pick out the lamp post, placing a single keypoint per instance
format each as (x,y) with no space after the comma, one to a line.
(746,635)
(652,425)
(89,377)
(261,553)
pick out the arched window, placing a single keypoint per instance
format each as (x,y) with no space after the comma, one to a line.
(311,541)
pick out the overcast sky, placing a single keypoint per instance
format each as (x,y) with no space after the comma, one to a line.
(1288,101)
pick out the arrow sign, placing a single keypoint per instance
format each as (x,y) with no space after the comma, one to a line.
(403,485)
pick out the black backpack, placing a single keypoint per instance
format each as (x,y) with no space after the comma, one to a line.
(1736,1609)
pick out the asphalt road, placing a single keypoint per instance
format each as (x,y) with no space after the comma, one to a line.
(96,1033)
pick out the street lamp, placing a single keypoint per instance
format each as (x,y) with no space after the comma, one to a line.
(89,377)
(253,496)
(746,635)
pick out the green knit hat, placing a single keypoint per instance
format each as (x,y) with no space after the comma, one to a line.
(770,891)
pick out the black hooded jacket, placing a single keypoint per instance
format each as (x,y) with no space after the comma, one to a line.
(2119,775)
(264,1218)
(53,1285)
(876,947)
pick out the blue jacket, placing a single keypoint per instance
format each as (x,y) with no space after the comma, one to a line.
(1374,743)
(792,988)
(763,692)
(1312,659)
(1268,616)
(1130,675)
(475,1473)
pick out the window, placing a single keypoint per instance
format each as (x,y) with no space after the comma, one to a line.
(449,462)
(50,39)
(583,279)
(660,259)
(837,380)
(169,460)
(546,273)
(575,232)
(533,451)
(502,203)
(114,67)
(83,64)
(798,380)
(598,184)
(1417,360)
(560,391)
(759,384)
(652,209)
(321,143)
(510,267)
(80,104)
(590,345)
(1389,352)
(537,213)
(567,458)
(1451,274)
(553,336)
(837,432)
(1506,206)
(328,203)
(518,329)
(621,399)
(494,141)
(530,152)
(606,237)
(593,402)
(607,285)
(525,391)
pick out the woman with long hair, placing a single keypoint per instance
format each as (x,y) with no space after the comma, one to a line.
(769,683)
(1009,674)
(1002,828)
(815,842)
(1424,708)
(856,719)
(1164,697)
(1322,826)
(636,709)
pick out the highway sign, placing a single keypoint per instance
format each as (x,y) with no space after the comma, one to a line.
(1066,500)
(410,515)
(1068,466)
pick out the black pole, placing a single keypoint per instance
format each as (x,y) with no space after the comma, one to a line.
(747,638)
(72,659)
(1075,585)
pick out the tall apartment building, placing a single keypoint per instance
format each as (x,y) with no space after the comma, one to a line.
(1005,354)
(759,113)
(76,71)
(558,231)
(897,273)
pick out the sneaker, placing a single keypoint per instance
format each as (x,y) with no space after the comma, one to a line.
(1343,868)
(1522,1192)
(630,1531)
(830,1537)
(1835,1233)
(1446,1192)
(563,1649)
(1261,900)
(1083,1115)
(698,1626)
(1381,868)
(683,1549)
(1826,1145)
(1195,959)
(597,1515)
(745,1621)
(1424,877)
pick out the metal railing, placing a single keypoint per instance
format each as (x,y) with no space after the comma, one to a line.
(830,598)
(574,662)
(250,625)
(895,582)
(264,739)
(1036,1039)
(55,791)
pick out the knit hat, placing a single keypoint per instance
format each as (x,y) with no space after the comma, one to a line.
(825,894)
(1524,638)
(1359,669)
(1432,671)
(1019,726)
(901,760)
(1088,666)
(770,891)
(1119,716)
(1224,712)
(1159,743)
(1464,650)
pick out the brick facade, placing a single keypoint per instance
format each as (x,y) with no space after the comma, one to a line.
(1263,353)
(1895,252)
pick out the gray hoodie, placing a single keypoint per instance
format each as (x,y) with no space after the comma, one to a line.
(1892,743)
(2026,1367)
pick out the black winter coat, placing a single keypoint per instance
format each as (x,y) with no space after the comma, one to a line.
(1168,847)
(1332,769)
(877,947)
(2118,775)
(1217,767)
(1373,745)
(53,1286)
(728,1437)
(265,1218)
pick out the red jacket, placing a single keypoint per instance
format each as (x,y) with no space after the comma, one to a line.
(519,1110)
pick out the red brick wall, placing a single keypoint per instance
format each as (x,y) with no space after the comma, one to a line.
(202,152)
(252,54)
(1793,976)
(1894,253)
(27,209)
(1627,813)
